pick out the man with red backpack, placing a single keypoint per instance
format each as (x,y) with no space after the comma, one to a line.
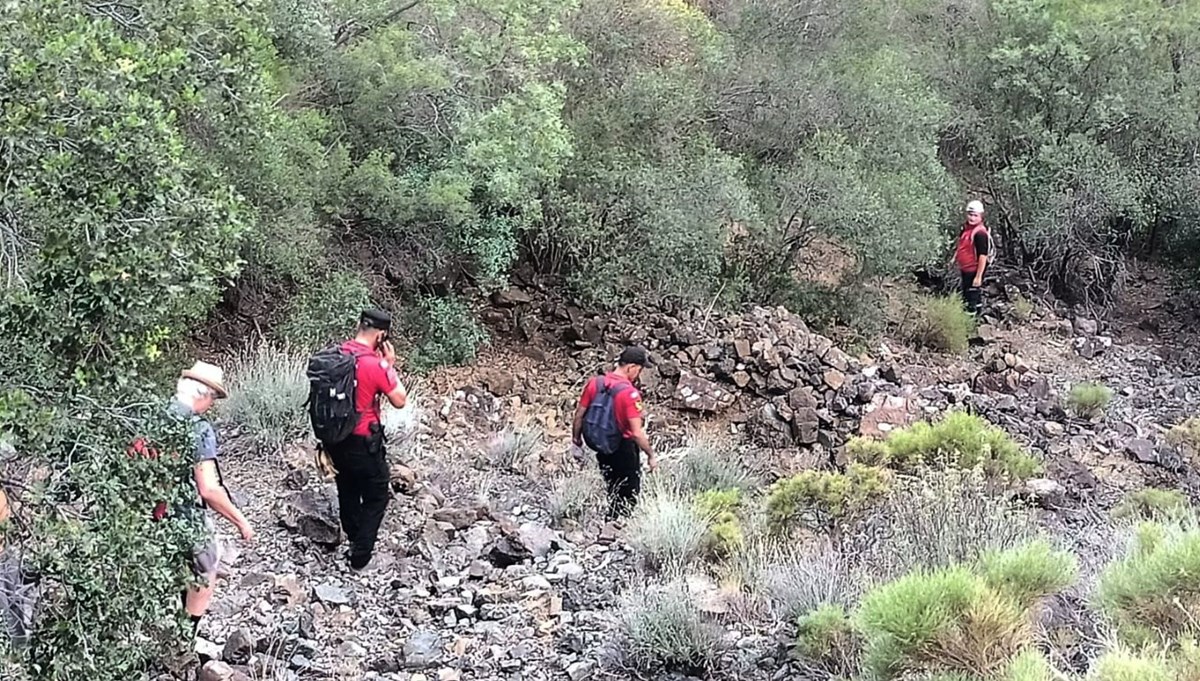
(971,256)
(346,383)
(610,418)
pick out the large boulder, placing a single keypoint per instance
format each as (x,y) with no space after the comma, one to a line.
(312,513)
(700,394)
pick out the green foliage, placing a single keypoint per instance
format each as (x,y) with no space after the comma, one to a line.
(956,620)
(942,324)
(1151,503)
(1029,572)
(326,311)
(1022,309)
(827,496)
(962,440)
(448,333)
(663,629)
(725,530)
(1122,665)
(1152,594)
(267,391)
(1089,399)
(827,635)
(707,463)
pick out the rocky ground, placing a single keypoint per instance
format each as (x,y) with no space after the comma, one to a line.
(473,579)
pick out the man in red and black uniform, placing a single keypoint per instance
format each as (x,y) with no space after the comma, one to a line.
(622,470)
(971,256)
(361,460)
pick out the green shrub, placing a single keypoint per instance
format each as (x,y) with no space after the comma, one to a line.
(1030,665)
(826,638)
(1089,399)
(717,501)
(1152,594)
(663,629)
(326,311)
(666,528)
(943,324)
(725,529)
(267,391)
(937,520)
(1022,309)
(825,495)
(963,440)
(572,497)
(868,451)
(707,462)
(446,331)
(1029,572)
(1153,504)
(1121,665)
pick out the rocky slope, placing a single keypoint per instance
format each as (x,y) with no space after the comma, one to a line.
(474,580)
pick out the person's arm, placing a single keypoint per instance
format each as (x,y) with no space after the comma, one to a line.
(980,242)
(636,427)
(981,265)
(577,424)
(217,498)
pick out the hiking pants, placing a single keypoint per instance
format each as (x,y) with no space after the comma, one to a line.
(972,295)
(622,473)
(362,485)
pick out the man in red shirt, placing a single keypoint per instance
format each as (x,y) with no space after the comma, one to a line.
(361,460)
(622,468)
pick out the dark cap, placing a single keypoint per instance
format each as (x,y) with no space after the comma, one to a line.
(635,354)
(376,319)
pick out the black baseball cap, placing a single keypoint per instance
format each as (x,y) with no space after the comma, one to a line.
(376,319)
(635,354)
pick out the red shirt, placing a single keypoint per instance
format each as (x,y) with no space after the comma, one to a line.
(375,377)
(627,403)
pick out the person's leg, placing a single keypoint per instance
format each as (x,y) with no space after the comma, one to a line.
(374,487)
(612,484)
(205,561)
(971,294)
(628,465)
(349,494)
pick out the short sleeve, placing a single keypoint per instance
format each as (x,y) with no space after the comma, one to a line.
(981,243)
(632,404)
(589,393)
(388,379)
(206,442)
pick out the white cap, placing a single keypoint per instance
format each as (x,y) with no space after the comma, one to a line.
(975,207)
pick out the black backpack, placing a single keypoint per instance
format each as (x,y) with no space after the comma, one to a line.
(331,383)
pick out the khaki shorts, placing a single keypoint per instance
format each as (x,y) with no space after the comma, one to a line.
(206,557)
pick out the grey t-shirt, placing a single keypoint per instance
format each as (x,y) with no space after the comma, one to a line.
(204,440)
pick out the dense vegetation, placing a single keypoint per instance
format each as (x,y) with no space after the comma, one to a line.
(173,167)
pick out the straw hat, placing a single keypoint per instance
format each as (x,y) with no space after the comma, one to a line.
(208,374)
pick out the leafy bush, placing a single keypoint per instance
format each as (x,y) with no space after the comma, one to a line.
(963,440)
(1152,594)
(940,519)
(725,530)
(447,333)
(825,496)
(1031,665)
(943,324)
(325,311)
(663,629)
(267,390)
(1089,399)
(1029,572)
(826,638)
(707,463)
(1153,504)
(574,496)
(665,527)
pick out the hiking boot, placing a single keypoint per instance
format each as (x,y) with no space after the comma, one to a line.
(358,563)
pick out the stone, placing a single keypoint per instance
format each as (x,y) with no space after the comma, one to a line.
(741,379)
(696,393)
(332,594)
(1085,327)
(781,380)
(1053,429)
(581,670)
(507,551)
(312,513)
(1142,450)
(1075,475)
(885,414)
(538,538)
(238,647)
(835,379)
(987,333)
(351,649)
(499,383)
(215,670)
(458,517)
(1090,347)
(806,426)
(865,392)
(422,650)
(403,479)
(741,348)
(1048,493)
(837,359)
(511,298)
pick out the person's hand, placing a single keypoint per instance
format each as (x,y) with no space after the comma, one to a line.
(978,282)
(247,532)
(389,353)
(652,462)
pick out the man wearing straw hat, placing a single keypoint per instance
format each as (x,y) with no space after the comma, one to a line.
(195,392)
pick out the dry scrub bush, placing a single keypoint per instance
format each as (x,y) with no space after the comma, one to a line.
(267,391)
(662,629)
(943,324)
(1153,504)
(1152,594)
(794,580)
(666,528)
(707,462)
(575,496)
(1088,400)
(517,446)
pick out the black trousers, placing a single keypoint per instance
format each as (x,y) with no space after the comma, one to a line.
(362,485)
(972,295)
(622,473)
